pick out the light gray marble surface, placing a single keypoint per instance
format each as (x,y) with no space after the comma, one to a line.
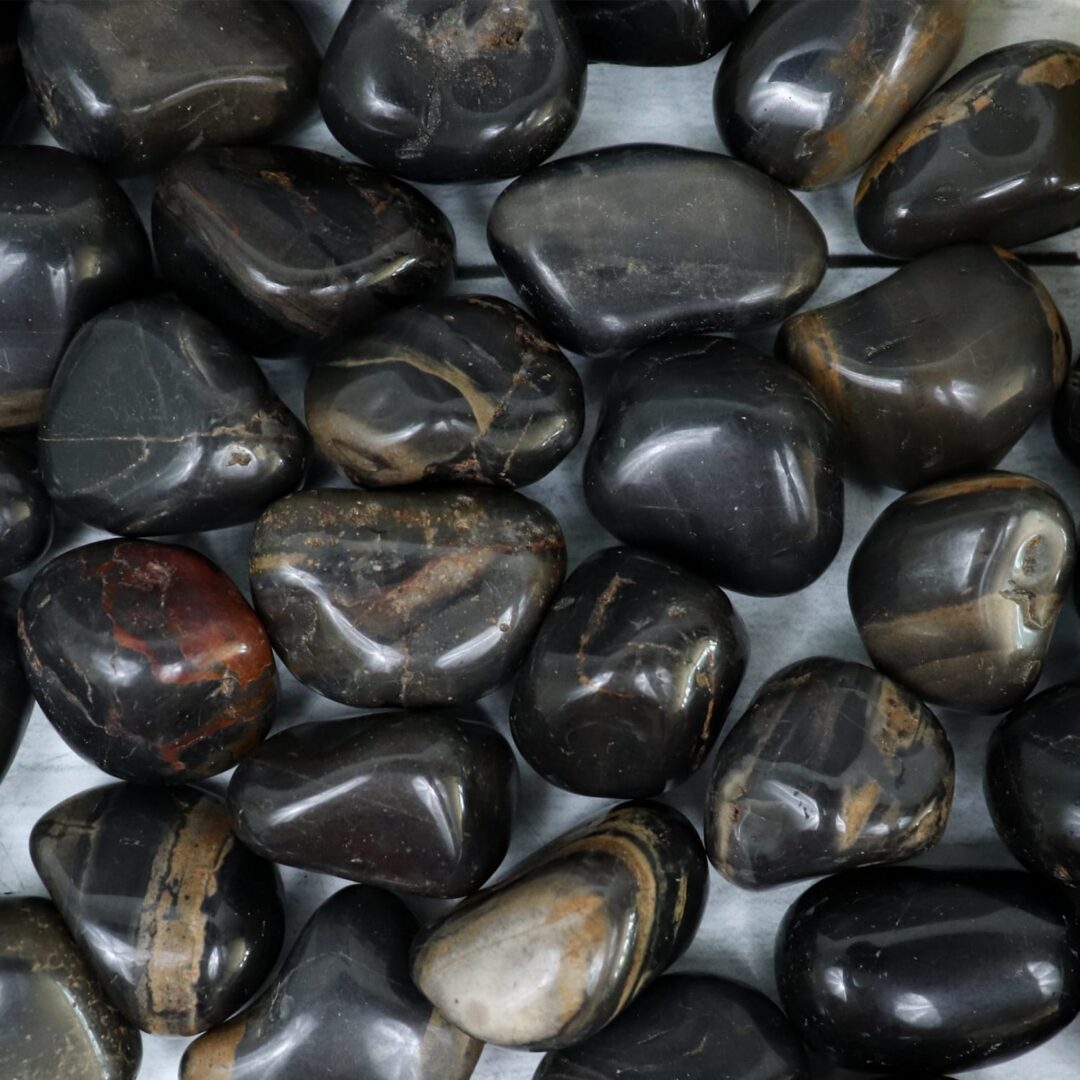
(627,105)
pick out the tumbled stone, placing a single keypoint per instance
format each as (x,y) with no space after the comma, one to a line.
(12,79)
(16,701)
(1066,415)
(26,514)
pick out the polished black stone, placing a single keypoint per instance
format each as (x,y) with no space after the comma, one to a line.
(809,91)
(1066,415)
(556,950)
(717,456)
(630,677)
(135,84)
(443,90)
(687,1027)
(619,246)
(342,1008)
(912,970)
(414,599)
(656,33)
(937,370)
(416,802)
(956,588)
(1033,783)
(26,515)
(832,766)
(462,389)
(992,155)
(178,919)
(147,660)
(156,423)
(55,1021)
(16,701)
(287,249)
(71,244)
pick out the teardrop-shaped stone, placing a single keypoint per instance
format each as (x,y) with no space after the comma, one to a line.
(808,91)
(178,919)
(437,90)
(16,701)
(71,245)
(133,85)
(832,766)
(342,1006)
(414,599)
(555,951)
(991,156)
(956,588)
(617,247)
(462,389)
(55,1020)
(287,249)
(147,660)
(938,369)
(722,458)
(416,802)
(630,678)
(912,970)
(26,514)
(693,1027)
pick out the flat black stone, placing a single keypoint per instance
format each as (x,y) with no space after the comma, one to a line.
(26,515)
(287,249)
(687,1027)
(937,370)
(462,389)
(133,85)
(991,156)
(833,766)
(956,588)
(416,802)
(71,244)
(616,247)
(416,599)
(630,677)
(555,951)
(445,90)
(719,457)
(156,423)
(808,91)
(16,701)
(922,970)
(342,1005)
(178,919)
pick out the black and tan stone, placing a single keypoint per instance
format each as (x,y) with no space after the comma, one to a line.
(566,942)
(832,766)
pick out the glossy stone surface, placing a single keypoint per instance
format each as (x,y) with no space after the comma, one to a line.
(416,802)
(286,249)
(147,660)
(133,85)
(680,414)
(616,247)
(178,919)
(809,91)
(346,979)
(689,1027)
(1033,783)
(656,33)
(462,389)
(1066,415)
(992,155)
(71,244)
(956,588)
(415,599)
(555,951)
(832,766)
(55,1020)
(630,677)
(16,701)
(938,369)
(26,516)
(442,90)
(912,970)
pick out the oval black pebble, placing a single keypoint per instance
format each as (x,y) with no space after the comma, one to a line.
(462,389)
(617,247)
(722,458)
(921,970)
(26,514)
